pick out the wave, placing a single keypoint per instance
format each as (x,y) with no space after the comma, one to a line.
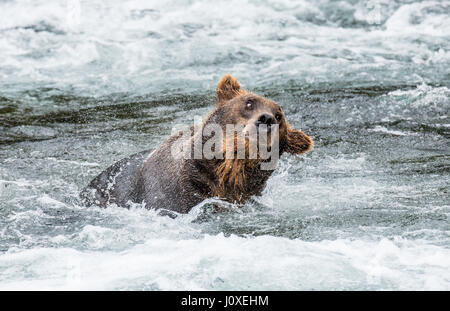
(218,263)
(142,46)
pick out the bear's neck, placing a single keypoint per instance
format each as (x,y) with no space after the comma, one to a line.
(234,180)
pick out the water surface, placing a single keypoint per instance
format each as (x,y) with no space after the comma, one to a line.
(367,209)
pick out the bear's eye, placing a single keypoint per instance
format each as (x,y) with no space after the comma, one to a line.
(278,116)
(249,104)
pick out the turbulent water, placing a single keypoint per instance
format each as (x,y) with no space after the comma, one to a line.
(84,84)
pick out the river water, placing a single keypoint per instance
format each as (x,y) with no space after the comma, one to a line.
(86,83)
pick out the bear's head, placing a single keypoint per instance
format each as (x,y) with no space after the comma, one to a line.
(238,107)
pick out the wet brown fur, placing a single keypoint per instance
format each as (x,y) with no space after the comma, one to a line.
(227,88)
(231,174)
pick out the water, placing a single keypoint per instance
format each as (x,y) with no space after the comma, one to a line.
(367,209)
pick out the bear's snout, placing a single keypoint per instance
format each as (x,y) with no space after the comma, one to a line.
(266,119)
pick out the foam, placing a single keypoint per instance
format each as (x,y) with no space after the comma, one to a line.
(423,95)
(216,262)
(382,129)
(130,46)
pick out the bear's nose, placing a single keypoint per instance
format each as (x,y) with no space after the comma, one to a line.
(265,119)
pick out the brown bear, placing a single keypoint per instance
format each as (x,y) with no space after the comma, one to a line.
(179,180)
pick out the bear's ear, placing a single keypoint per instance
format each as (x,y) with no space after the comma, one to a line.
(228,88)
(297,142)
